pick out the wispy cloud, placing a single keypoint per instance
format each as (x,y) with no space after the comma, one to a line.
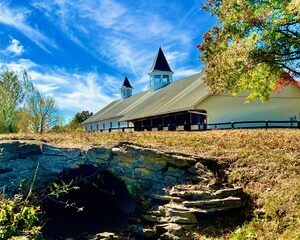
(17,18)
(184,72)
(117,34)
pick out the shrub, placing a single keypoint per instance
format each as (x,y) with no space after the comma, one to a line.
(18,218)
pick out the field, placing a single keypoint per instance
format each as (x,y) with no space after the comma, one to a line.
(265,162)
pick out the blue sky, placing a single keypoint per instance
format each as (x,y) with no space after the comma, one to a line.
(79,51)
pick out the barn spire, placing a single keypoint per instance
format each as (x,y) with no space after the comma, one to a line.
(126,89)
(160,62)
(160,72)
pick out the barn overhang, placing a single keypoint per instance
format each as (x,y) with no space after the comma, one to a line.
(184,119)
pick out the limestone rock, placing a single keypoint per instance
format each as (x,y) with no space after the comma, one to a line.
(148,233)
(143,233)
(174,190)
(226,203)
(169,236)
(223,193)
(166,198)
(179,220)
(192,194)
(174,231)
(151,218)
(105,236)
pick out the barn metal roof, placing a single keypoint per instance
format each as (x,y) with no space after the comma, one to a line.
(180,95)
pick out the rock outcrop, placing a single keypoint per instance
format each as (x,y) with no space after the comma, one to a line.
(187,204)
(175,191)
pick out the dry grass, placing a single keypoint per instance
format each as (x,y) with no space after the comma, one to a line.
(265,162)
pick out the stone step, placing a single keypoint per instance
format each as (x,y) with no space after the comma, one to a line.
(192,194)
(188,209)
(171,219)
(156,213)
(179,220)
(166,198)
(227,192)
(197,210)
(179,213)
(228,203)
(188,187)
(151,218)
(179,207)
(173,231)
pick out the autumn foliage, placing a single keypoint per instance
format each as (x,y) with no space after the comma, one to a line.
(254,48)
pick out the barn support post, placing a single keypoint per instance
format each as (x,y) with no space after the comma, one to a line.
(267,124)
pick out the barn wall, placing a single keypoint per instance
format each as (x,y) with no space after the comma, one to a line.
(98,126)
(226,108)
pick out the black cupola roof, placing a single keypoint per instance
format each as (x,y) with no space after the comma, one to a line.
(160,62)
(126,83)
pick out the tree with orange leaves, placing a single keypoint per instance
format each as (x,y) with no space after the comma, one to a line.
(255,47)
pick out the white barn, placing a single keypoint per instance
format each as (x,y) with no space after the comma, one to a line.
(188,104)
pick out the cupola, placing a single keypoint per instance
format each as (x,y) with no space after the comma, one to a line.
(126,89)
(160,73)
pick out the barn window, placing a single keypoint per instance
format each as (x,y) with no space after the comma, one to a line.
(157,77)
(195,118)
(156,122)
(165,78)
(146,123)
(166,120)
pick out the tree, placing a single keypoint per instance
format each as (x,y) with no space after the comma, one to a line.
(254,48)
(23,121)
(82,116)
(75,124)
(11,95)
(41,109)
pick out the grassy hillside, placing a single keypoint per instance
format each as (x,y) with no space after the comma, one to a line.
(265,162)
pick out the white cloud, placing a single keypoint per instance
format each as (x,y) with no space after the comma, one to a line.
(73,91)
(14,48)
(17,18)
(85,93)
(20,65)
(185,72)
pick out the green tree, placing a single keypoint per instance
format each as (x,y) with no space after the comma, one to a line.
(42,110)
(75,124)
(82,116)
(255,47)
(11,96)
